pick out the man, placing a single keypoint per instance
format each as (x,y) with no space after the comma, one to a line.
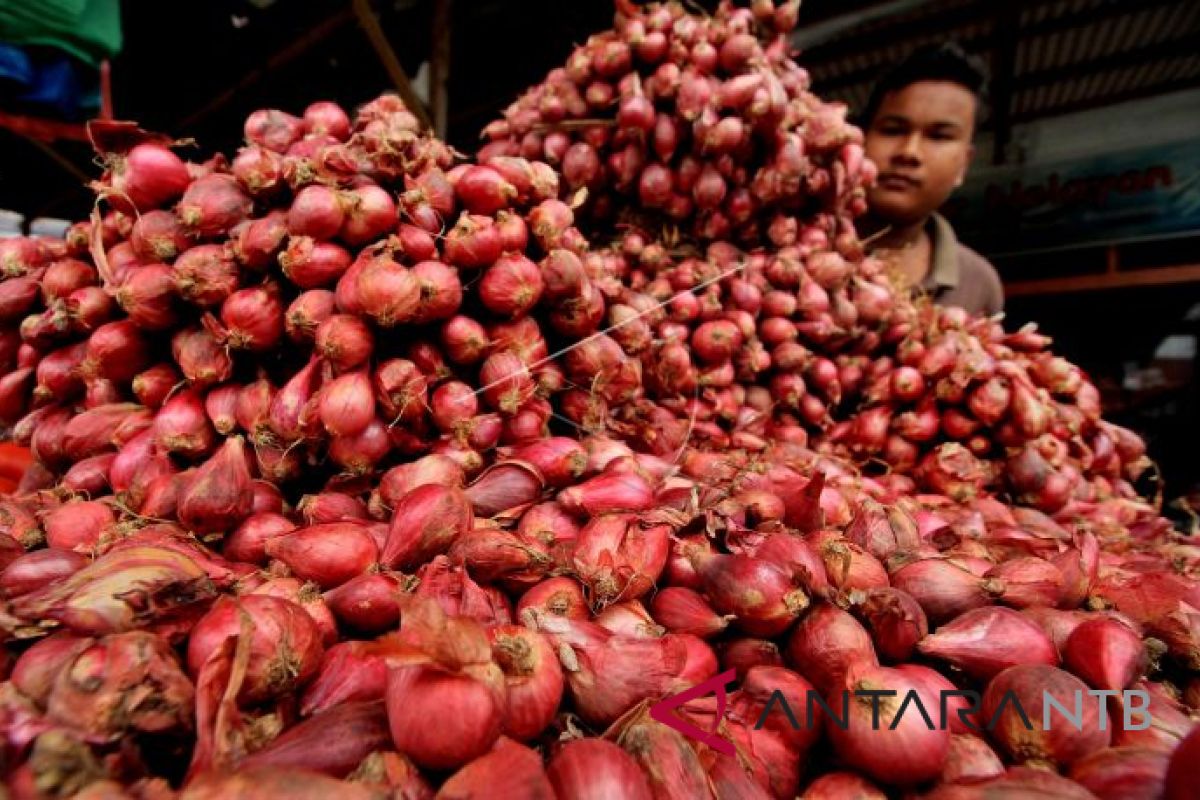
(919,124)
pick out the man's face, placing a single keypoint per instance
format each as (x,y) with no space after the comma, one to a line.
(920,139)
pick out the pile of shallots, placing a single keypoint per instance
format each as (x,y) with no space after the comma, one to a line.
(362,469)
(707,124)
(703,122)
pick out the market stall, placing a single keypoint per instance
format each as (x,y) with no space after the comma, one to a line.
(602,461)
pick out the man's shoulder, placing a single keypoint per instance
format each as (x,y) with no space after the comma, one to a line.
(971,261)
(975,270)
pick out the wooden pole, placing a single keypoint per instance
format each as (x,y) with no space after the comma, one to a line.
(284,56)
(439,67)
(1004,63)
(391,62)
(1129,279)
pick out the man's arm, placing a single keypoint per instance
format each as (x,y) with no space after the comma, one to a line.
(982,290)
(994,302)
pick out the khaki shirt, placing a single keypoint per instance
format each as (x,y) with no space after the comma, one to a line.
(958,276)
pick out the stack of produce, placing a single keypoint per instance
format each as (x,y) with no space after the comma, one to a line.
(364,470)
(701,121)
(707,124)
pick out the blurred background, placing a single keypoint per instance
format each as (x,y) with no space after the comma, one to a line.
(1085,191)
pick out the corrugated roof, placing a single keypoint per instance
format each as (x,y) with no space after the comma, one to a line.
(1067,54)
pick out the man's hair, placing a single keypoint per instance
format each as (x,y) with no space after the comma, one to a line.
(935,62)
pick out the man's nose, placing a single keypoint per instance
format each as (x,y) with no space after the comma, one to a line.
(909,151)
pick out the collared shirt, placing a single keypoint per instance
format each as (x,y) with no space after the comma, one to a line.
(958,276)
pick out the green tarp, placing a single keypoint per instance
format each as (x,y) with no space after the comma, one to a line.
(90,30)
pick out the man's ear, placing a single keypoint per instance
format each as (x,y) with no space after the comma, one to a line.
(962,172)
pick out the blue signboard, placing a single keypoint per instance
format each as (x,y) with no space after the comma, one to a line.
(1105,199)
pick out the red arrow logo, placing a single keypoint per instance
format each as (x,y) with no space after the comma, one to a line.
(662,711)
